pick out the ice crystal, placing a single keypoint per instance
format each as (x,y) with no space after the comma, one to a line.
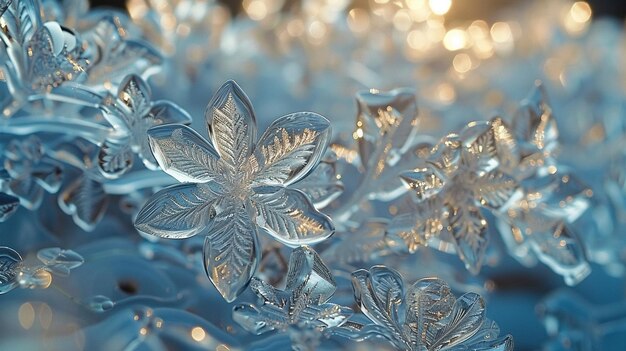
(303,305)
(236,189)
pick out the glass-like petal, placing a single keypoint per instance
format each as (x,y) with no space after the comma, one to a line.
(366,295)
(465,319)
(9,260)
(469,229)
(232,127)
(231,249)
(8,205)
(496,189)
(382,118)
(179,211)
(115,158)
(321,185)
(60,261)
(426,182)
(86,201)
(291,147)
(21,19)
(561,250)
(183,153)
(308,275)
(417,228)
(328,315)
(288,215)
(428,301)
(167,112)
(134,93)
(446,154)
(534,123)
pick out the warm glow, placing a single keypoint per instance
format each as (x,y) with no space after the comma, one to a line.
(358,20)
(440,7)
(256,9)
(455,39)
(501,32)
(580,12)
(26,315)
(462,63)
(198,334)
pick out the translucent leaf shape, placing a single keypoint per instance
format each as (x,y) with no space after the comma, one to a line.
(418,227)
(534,123)
(446,154)
(60,261)
(288,215)
(179,211)
(291,146)
(21,19)
(9,261)
(232,126)
(495,189)
(134,94)
(384,118)
(429,301)
(307,272)
(8,205)
(322,185)
(426,182)
(115,158)
(231,250)
(469,229)
(374,306)
(86,201)
(562,250)
(183,153)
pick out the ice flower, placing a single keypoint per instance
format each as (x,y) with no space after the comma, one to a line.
(235,186)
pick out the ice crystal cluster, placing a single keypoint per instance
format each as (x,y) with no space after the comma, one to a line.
(449,164)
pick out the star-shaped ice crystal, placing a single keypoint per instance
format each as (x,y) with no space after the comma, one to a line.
(235,188)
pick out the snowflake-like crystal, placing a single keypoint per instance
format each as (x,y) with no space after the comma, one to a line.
(236,188)
(301,307)
(434,319)
(37,57)
(132,113)
(463,174)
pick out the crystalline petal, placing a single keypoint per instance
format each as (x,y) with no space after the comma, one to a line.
(86,201)
(231,253)
(322,185)
(183,153)
(232,126)
(179,211)
(384,117)
(307,273)
(60,261)
(288,215)
(426,182)
(291,147)
(469,229)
